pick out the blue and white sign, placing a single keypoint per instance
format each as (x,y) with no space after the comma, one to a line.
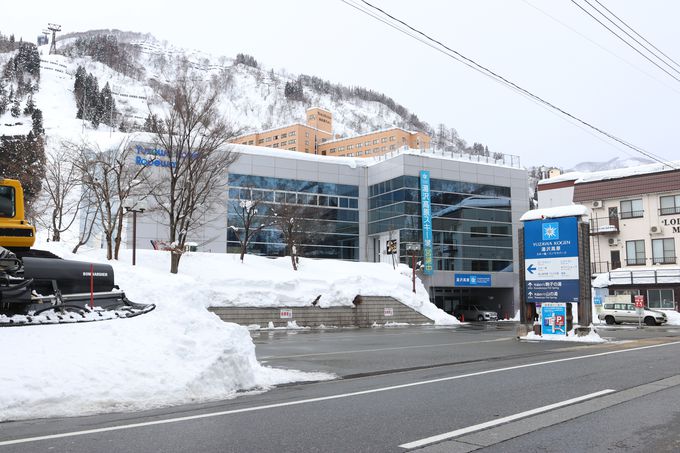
(471,279)
(426,214)
(551,260)
(554,319)
(597,300)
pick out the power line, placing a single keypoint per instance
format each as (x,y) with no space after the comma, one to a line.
(638,34)
(624,40)
(489,73)
(568,27)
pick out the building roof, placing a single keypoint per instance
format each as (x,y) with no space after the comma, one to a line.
(557,211)
(585,177)
(362,161)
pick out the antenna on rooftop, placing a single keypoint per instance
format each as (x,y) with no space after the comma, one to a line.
(54,28)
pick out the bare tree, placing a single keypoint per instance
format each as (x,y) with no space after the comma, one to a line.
(89,215)
(112,178)
(195,139)
(247,213)
(297,225)
(62,193)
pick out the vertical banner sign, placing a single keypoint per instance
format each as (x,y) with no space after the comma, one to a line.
(426,214)
(551,260)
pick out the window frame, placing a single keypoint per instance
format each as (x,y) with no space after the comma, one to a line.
(631,212)
(640,257)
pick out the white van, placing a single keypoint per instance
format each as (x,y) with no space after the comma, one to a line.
(616,313)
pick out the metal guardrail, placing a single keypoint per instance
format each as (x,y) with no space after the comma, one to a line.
(507,160)
(604,225)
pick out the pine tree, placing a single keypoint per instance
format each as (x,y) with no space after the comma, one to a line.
(79,91)
(107,106)
(15,111)
(37,118)
(4,100)
(30,106)
(24,159)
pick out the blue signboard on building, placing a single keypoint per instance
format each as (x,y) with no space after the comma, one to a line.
(426,214)
(554,319)
(471,279)
(551,260)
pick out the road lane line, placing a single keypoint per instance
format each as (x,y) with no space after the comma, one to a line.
(500,421)
(396,348)
(322,398)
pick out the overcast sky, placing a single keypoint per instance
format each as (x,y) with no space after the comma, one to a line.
(549,47)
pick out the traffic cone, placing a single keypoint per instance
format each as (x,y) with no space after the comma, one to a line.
(462,317)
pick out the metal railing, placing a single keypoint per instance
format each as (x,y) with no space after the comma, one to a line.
(507,160)
(604,225)
(632,214)
(636,261)
(664,260)
(669,211)
(632,277)
(599,267)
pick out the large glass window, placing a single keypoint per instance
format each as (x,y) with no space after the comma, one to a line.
(663,251)
(635,253)
(330,215)
(471,222)
(631,208)
(661,298)
(669,205)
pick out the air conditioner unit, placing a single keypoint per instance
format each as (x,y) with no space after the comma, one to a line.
(655,229)
(613,241)
(598,204)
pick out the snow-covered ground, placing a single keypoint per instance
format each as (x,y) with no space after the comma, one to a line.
(179,353)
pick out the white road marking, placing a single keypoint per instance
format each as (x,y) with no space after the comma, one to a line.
(322,398)
(381,349)
(500,421)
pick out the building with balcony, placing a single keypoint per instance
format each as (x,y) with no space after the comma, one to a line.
(316,137)
(634,224)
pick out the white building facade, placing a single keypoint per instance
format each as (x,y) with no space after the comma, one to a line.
(634,226)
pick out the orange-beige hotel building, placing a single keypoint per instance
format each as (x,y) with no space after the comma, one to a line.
(316,137)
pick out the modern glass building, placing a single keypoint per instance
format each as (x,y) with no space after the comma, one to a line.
(365,209)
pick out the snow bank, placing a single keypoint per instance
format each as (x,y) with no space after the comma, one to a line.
(592,337)
(221,280)
(179,353)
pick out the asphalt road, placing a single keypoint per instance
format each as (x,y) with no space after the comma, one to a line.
(422,388)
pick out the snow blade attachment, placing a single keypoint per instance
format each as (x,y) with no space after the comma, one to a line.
(53,291)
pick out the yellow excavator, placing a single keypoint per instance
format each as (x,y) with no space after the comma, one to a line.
(38,287)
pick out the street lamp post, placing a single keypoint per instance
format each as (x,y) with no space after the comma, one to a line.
(136,207)
(413,248)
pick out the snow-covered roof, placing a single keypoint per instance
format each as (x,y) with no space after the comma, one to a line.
(583,177)
(571,176)
(557,211)
(630,171)
(639,275)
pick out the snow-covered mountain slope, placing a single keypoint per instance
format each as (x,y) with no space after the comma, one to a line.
(252,98)
(612,164)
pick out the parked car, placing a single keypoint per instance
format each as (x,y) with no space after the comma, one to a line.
(617,313)
(470,312)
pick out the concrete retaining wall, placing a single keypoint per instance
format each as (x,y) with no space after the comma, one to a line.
(367,310)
